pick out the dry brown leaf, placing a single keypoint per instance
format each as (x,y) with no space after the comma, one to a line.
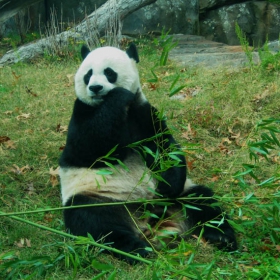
(23,242)
(223,149)
(190,164)
(215,178)
(275,159)
(70,78)
(61,148)
(44,157)
(184,254)
(189,134)
(54,176)
(48,217)
(193,91)
(16,76)
(210,149)
(23,116)
(240,143)
(61,128)
(54,172)
(4,139)
(233,135)
(18,170)
(152,86)
(29,91)
(259,97)
(10,145)
(28,242)
(225,140)
(20,243)
(54,181)
(8,112)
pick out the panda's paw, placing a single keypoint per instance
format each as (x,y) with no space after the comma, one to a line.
(121,96)
(223,238)
(169,190)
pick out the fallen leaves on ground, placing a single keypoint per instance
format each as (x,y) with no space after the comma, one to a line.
(23,243)
(19,170)
(23,116)
(54,176)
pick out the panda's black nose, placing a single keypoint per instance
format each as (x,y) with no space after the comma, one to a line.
(95,89)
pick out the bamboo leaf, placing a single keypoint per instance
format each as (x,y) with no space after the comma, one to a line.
(192,207)
(104,172)
(174,82)
(101,266)
(176,90)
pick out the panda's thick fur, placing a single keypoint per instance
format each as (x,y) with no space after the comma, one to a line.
(110,115)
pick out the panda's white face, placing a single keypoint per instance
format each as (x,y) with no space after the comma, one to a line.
(104,69)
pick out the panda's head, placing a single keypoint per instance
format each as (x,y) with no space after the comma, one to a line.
(104,69)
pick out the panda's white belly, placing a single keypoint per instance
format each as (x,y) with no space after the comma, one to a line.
(132,184)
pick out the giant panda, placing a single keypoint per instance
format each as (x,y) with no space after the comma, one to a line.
(116,149)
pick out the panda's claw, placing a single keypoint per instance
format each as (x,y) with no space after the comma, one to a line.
(224,239)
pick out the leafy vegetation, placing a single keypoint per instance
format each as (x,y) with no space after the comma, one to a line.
(228,123)
(274,1)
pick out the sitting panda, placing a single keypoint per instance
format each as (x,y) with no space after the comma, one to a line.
(116,147)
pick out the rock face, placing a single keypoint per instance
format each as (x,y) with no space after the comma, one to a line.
(193,50)
(179,16)
(73,10)
(213,19)
(259,20)
(206,5)
(9,8)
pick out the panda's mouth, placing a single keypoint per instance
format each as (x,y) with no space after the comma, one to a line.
(97,97)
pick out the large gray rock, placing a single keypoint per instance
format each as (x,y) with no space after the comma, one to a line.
(196,51)
(259,20)
(9,8)
(274,46)
(205,5)
(179,16)
(73,10)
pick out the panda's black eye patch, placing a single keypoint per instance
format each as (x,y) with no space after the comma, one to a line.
(111,75)
(87,76)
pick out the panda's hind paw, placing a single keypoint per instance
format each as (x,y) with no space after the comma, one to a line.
(224,238)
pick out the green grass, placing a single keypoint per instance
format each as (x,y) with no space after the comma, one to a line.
(215,120)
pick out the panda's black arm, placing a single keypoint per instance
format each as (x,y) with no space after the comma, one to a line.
(155,135)
(95,130)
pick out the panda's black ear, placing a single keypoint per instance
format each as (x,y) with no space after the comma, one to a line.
(84,51)
(132,52)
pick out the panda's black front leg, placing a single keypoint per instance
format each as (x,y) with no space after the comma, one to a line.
(110,225)
(154,134)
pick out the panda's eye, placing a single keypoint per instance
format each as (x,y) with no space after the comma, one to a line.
(111,75)
(87,76)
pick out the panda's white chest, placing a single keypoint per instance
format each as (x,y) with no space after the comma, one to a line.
(132,183)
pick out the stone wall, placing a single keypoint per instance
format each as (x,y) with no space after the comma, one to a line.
(214,19)
(260,20)
(179,16)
